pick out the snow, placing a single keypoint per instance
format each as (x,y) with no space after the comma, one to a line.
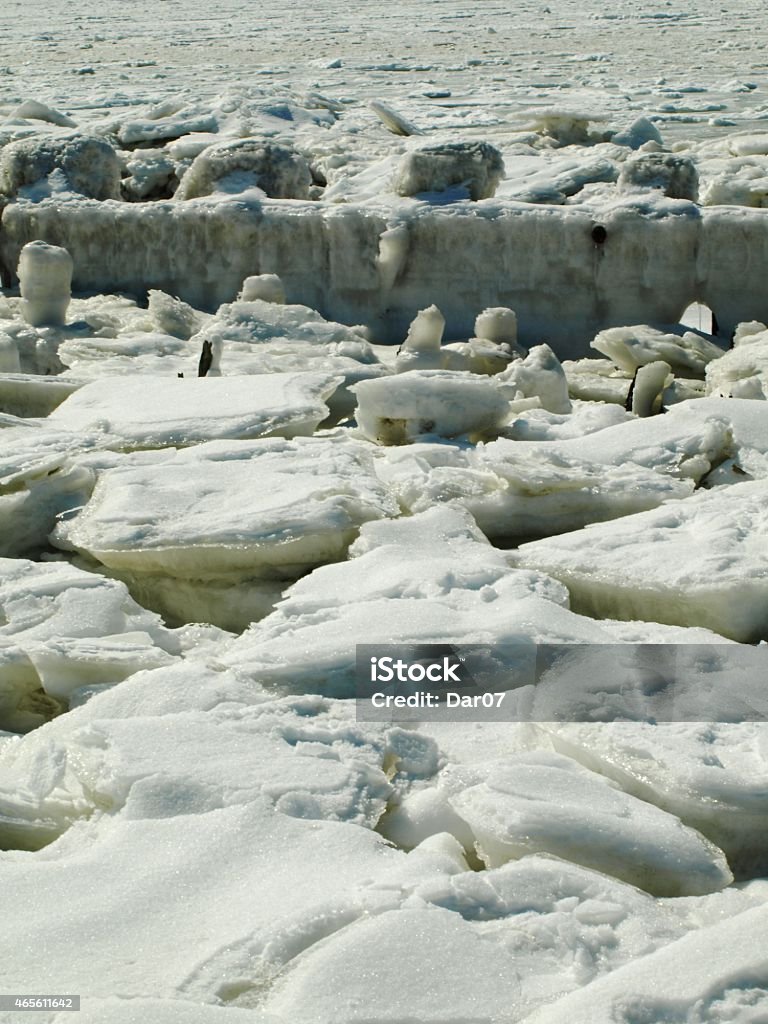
(696,562)
(395,410)
(146,411)
(523,490)
(216,232)
(275,503)
(546,803)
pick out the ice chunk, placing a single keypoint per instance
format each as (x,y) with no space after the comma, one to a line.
(45,279)
(497,323)
(637,134)
(229,508)
(148,411)
(524,490)
(710,775)
(539,374)
(421,348)
(675,175)
(596,380)
(684,442)
(540,802)
(276,169)
(478,166)
(33,394)
(173,316)
(395,410)
(647,387)
(90,164)
(428,578)
(698,562)
(630,347)
(38,111)
(395,122)
(585,418)
(267,287)
(743,371)
(62,628)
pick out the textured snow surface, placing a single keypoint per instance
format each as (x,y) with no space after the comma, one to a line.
(148,412)
(697,562)
(392,234)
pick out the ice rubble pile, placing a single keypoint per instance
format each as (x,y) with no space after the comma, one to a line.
(546,852)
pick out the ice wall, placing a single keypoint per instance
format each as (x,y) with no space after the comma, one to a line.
(379,265)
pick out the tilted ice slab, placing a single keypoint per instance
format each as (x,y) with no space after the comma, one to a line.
(688,353)
(748,422)
(149,411)
(697,562)
(31,394)
(585,418)
(684,442)
(540,802)
(429,578)
(718,974)
(232,508)
(38,482)
(62,629)
(523,490)
(714,776)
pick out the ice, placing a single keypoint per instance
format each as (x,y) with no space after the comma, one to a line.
(213,836)
(523,490)
(395,410)
(90,165)
(743,371)
(648,387)
(267,287)
(477,167)
(686,442)
(586,417)
(62,629)
(428,578)
(279,172)
(34,395)
(172,316)
(541,375)
(646,270)
(630,347)
(546,803)
(45,280)
(421,348)
(676,176)
(38,482)
(441,987)
(267,511)
(710,775)
(150,411)
(693,562)
(717,974)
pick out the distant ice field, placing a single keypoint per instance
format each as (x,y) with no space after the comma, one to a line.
(692,69)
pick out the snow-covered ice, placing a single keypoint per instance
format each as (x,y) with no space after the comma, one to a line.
(218,474)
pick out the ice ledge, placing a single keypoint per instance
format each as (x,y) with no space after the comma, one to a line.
(379,265)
